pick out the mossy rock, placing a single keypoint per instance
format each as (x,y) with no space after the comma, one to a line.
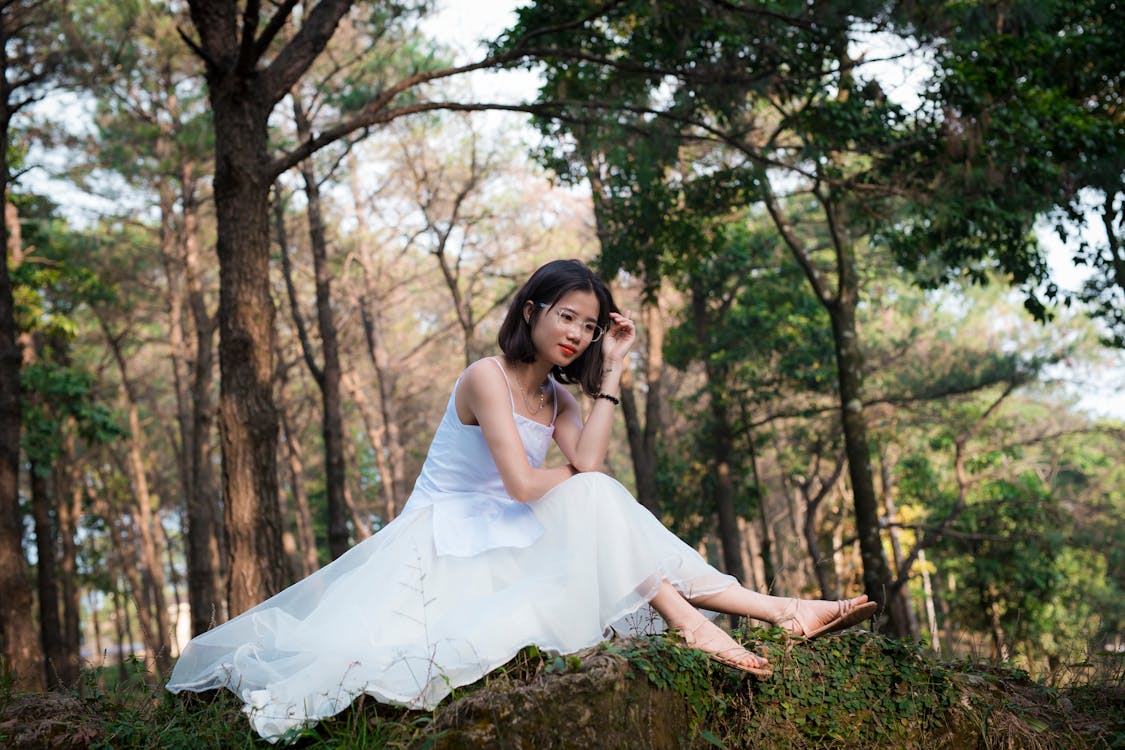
(846,690)
(591,701)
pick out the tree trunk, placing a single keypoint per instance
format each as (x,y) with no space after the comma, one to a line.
(98,650)
(306,538)
(384,436)
(248,423)
(206,548)
(849,368)
(152,562)
(931,606)
(991,602)
(900,597)
(385,380)
(765,545)
(69,492)
(377,436)
(21,649)
(722,448)
(822,566)
(943,615)
(124,539)
(50,625)
(643,439)
(749,548)
(328,376)
(121,628)
(841,308)
(191,359)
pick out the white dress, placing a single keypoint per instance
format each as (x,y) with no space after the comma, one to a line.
(451,589)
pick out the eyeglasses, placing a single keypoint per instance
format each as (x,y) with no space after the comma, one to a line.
(569,320)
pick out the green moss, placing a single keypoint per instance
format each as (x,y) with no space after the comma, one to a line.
(851,690)
(843,690)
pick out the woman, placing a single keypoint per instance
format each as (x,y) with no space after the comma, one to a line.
(495,551)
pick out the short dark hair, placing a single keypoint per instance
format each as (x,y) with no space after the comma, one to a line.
(548,285)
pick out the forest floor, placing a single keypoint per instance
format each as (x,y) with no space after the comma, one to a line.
(847,690)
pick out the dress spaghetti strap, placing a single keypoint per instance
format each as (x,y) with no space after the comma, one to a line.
(555,398)
(511,396)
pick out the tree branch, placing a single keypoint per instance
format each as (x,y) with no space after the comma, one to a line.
(273,27)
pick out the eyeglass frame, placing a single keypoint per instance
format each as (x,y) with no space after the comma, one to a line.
(598,330)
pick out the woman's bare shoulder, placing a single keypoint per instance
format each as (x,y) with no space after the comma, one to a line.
(565,397)
(484,371)
(480,383)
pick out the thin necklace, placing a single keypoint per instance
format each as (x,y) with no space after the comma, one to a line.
(542,399)
(533,410)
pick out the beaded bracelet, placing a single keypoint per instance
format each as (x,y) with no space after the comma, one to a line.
(612,399)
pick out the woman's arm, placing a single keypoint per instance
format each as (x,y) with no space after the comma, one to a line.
(482,398)
(586,445)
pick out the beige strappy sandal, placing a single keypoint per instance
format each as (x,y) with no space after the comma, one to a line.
(847,615)
(729,657)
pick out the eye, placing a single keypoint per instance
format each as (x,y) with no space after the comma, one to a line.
(589,327)
(566,316)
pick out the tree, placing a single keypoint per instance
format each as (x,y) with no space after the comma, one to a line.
(61,409)
(251,63)
(32,57)
(778,107)
(812,137)
(1025,112)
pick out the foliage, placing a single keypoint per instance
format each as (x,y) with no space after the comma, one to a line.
(52,288)
(850,691)
(1026,102)
(751,323)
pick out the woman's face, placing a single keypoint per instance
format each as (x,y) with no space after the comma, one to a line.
(563,331)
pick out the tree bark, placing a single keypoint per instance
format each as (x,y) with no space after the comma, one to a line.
(931,606)
(121,629)
(123,533)
(248,423)
(21,649)
(849,370)
(769,573)
(231,42)
(191,355)
(643,438)
(50,624)
(206,540)
(69,492)
(821,564)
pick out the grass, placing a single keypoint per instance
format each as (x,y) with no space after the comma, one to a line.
(847,690)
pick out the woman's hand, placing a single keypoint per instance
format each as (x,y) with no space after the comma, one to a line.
(619,339)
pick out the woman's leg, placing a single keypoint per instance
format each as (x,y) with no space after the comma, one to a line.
(699,632)
(799,616)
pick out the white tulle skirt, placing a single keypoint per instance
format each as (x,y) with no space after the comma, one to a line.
(392,619)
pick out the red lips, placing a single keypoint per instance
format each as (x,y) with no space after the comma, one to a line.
(567,350)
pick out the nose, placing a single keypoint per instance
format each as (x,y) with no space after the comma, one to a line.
(574,333)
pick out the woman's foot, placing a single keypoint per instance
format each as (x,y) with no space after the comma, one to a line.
(717,644)
(810,618)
